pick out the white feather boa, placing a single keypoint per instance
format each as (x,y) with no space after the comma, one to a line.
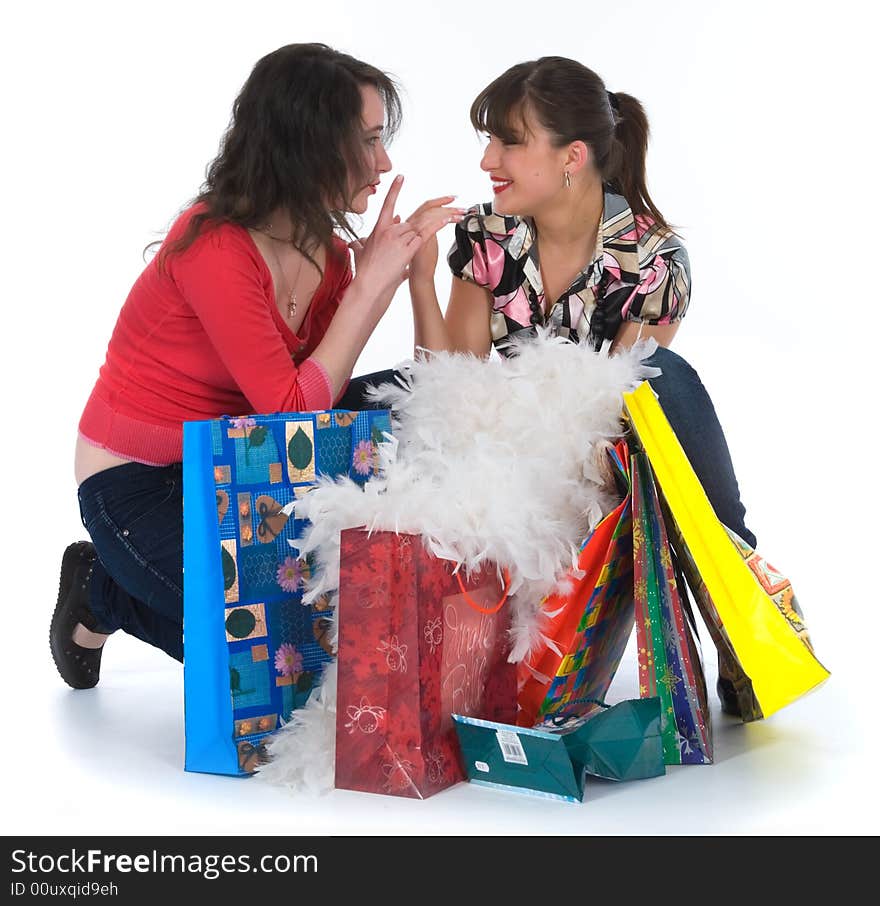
(498,460)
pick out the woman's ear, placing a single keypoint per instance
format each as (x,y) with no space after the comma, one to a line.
(578,156)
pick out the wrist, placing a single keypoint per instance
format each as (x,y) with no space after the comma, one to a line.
(423,284)
(361,295)
(364,305)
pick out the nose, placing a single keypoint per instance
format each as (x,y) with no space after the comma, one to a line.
(383,161)
(489,160)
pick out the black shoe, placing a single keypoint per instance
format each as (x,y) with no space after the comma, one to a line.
(728,696)
(79,667)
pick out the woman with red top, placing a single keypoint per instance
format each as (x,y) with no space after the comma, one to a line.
(249,306)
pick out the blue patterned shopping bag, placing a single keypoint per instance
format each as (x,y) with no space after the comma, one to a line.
(252,650)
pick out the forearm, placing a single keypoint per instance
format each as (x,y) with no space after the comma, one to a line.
(429,324)
(348,333)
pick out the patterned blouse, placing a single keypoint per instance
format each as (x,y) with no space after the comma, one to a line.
(638,272)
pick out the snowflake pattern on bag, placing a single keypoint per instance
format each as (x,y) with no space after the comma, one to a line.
(410,655)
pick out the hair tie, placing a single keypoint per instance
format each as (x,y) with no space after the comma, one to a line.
(612,99)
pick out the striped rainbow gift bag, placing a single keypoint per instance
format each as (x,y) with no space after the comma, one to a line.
(669,659)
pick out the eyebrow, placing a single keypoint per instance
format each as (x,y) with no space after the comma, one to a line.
(375,129)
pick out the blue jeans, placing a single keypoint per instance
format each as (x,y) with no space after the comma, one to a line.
(134,515)
(692,416)
(689,409)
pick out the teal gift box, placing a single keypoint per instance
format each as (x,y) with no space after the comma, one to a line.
(622,742)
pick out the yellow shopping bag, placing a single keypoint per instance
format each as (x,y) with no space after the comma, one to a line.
(749,607)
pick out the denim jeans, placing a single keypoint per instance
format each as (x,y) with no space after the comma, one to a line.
(134,515)
(691,414)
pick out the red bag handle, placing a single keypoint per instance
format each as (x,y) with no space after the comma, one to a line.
(476,606)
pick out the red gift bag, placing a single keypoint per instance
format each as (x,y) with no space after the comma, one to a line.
(417,643)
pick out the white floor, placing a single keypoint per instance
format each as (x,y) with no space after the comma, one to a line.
(109,761)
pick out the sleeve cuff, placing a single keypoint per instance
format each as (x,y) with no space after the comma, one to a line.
(315,386)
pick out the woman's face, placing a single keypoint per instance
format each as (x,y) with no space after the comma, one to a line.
(375,160)
(526,176)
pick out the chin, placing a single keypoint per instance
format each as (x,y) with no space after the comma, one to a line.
(503,206)
(360,203)
(509,205)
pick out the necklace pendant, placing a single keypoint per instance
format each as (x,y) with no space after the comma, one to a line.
(291,305)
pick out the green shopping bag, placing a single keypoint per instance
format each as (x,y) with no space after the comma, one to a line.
(622,742)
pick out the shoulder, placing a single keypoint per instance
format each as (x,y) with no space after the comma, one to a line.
(338,252)
(653,239)
(339,264)
(481,222)
(215,243)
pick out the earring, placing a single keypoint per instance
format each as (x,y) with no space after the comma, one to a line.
(567,180)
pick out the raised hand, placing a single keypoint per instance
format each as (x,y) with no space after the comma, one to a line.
(383,259)
(429,219)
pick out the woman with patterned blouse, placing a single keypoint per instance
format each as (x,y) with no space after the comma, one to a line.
(573,241)
(572,238)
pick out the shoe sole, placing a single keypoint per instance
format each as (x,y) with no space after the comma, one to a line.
(73,556)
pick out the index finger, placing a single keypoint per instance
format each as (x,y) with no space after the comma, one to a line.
(432,203)
(387,212)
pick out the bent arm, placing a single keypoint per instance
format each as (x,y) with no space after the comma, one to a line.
(355,320)
(630,331)
(465,327)
(660,302)
(429,327)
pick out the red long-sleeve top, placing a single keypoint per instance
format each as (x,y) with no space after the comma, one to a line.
(202,338)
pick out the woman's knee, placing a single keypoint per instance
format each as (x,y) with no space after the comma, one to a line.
(356,394)
(671,364)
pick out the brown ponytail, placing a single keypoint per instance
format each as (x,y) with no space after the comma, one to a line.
(625,166)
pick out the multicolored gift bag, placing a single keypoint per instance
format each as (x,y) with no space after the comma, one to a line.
(417,643)
(748,607)
(586,630)
(252,651)
(669,660)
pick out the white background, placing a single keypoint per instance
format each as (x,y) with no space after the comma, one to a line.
(763,152)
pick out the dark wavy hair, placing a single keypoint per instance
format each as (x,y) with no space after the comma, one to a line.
(572,103)
(295,140)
